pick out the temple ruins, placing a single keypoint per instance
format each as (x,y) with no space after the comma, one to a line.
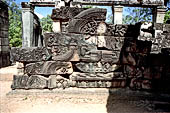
(84,51)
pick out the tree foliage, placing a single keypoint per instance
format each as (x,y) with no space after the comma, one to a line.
(15,24)
(137,15)
(46,23)
(167,16)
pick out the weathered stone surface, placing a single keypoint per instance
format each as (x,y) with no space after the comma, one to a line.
(4,33)
(4,41)
(166,28)
(161,39)
(116,83)
(84,26)
(135,59)
(52,81)
(49,68)
(29,54)
(58,82)
(90,56)
(158,26)
(110,42)
(19,82)
(62,39)
(110,56)
(87,21)
(26,82)
(132,71)
(138,83)
(97,67)
(67,47)
(4,59)
(77,76)
(137,46)
(20,68)
(31,30)
(65,13)
(37,82)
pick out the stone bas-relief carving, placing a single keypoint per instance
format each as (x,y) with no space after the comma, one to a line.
(78,76)
(29,54)
(94,54)
(49,68)
(66,13)
(29,82)
(97,67)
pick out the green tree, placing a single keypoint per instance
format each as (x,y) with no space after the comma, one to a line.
(15,24)
(46,23)
(167,16)
(137,15)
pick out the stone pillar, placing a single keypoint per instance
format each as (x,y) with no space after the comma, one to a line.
(27,24)
(57,26)
(159,14)
(117,14)
(4,41)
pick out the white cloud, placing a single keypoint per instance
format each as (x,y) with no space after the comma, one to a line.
(39,15)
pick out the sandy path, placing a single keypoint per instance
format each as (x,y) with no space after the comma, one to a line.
(45,103)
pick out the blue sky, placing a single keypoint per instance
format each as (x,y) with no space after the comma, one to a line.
(48,10)
(44,11)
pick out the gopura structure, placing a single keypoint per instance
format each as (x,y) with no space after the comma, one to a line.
(4,41)
(86,52)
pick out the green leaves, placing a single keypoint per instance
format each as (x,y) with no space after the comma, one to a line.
(15,24)
(46,24)
(167,16)
(137,15)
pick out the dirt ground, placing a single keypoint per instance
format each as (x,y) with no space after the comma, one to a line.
(76,100)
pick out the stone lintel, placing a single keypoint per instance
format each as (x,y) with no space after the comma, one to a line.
(131,3)
(27,6)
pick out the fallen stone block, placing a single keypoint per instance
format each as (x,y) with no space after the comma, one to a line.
(29,54)
(49,68)
(29,82)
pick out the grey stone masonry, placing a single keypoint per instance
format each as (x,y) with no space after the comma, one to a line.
(4,41)
(27,23)
(31,28)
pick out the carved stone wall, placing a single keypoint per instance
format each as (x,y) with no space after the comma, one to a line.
(4,42)
(94,54)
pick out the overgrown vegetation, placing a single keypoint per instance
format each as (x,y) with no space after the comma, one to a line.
(15,24)
(46,23)
(167,16)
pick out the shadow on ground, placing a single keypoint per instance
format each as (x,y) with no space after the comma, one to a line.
(126,100)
